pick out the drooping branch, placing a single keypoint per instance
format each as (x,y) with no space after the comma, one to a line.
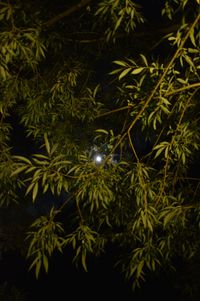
(66,13)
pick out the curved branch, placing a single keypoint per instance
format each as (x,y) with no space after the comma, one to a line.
(66,13)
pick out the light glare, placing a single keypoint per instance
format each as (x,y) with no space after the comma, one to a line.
(98,158)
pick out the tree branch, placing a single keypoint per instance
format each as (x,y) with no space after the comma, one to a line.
(139,114)
(66,13)
(192,86)
(145,32)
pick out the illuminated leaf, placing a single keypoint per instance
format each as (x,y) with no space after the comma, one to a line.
(124,73)
(45,262)
(35,191)
(137,70)
(47,144)
(18,170)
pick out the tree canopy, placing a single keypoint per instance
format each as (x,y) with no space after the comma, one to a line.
(99,119)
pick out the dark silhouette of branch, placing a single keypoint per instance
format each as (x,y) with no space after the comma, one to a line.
(142,33)
(66,13)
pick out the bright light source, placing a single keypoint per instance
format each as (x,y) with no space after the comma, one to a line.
(98,158)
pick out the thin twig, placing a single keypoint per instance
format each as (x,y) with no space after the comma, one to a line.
(66,13)
(192,86)
(162,188)
(158,84)
(114,111)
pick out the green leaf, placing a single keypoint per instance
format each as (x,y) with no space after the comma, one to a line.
(118,23)
(192,38)
(29,188)
(47,144)
(159,151)
(161,147)
(34,263)
(30,169)
(37,269)
(102,131)
(124,73)
(121,63)
(183,158)
(137,70)
(24,159)
(144,59)
(139,268)
(83,260)
(115,71)
(35,191)
(182,81)
(45,263)
(40,156)
(189,60)
(18,170)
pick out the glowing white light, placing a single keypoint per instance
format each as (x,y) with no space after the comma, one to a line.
(98,159)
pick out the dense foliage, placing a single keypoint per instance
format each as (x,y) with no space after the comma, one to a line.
(118,79)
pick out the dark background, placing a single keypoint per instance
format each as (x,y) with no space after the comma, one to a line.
(65,281)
